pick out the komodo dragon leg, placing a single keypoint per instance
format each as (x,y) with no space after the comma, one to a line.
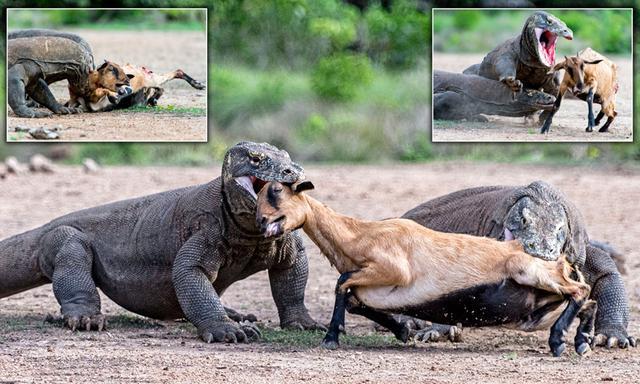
(17,78)
(607,290)
(195,268)
(68,263)
(41,94)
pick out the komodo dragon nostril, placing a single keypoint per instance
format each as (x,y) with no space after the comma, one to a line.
(287,171)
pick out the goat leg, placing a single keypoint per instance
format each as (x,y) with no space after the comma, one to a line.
(559,328)
(599,117)
(331,339)
(591,121)
(605,127)
(399,328)
(584,334)
(556,106)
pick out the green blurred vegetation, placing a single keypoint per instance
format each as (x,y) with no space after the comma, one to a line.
(606,31)
(109,19)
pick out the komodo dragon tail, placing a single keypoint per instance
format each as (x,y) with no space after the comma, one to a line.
(19,266)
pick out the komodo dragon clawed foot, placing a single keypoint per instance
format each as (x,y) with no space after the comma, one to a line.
(613,338)
(513,83)
(439,332)
(79,322)
(426,331)
(228,331)
(302,322)
(85,323)
(239,317)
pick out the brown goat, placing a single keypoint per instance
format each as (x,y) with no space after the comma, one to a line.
(590,77)
(399,266)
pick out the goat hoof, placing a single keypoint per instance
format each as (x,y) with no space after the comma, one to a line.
(603,129)
(582,349)
(330,344)
(558,350)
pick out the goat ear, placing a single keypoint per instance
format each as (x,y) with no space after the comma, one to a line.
(593,62)
(301,186)
(559,66)
(103,65)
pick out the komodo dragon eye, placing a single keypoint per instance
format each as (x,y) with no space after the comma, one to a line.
(255,158)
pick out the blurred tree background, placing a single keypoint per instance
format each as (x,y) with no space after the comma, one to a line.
(329,80)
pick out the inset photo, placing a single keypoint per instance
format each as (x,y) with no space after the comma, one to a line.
(106,75)
(517,75)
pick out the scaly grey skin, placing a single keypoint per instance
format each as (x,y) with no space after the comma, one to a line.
(517,62)
(37,58)
(169,255)
(547,224)
(458,96)
(35,32)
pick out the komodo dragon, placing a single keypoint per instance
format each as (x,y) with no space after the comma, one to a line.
(169,255)
(525,60)
(34,62)
(547,224)
(457,96)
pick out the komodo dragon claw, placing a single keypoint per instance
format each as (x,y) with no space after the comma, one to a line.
(230,332)
(614,339)
(79,322)
(240,317)
(439,332)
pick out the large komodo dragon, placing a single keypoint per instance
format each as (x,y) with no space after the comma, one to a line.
(169,255)
(547,224)
(38,57)
(526,60)
(457,96)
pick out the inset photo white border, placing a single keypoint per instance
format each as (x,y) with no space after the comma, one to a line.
(153,108)
(473,105)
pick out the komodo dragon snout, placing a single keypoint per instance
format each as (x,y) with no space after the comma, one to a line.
(532,97)
(252,165)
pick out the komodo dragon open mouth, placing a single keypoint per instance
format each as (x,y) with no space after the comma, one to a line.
(251,184)
(547,44)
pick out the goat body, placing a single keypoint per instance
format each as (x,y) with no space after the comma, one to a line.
(593,78)
(399,266)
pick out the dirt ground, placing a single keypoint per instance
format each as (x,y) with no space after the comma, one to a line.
(161,52)
(568,124)
(154,352)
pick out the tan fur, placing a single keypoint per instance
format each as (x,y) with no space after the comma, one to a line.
(600,77)
(102,84)
(399,262)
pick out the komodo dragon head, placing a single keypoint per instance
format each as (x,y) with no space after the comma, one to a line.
(545,222)
(539,36)
(535,98)
(249,166)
